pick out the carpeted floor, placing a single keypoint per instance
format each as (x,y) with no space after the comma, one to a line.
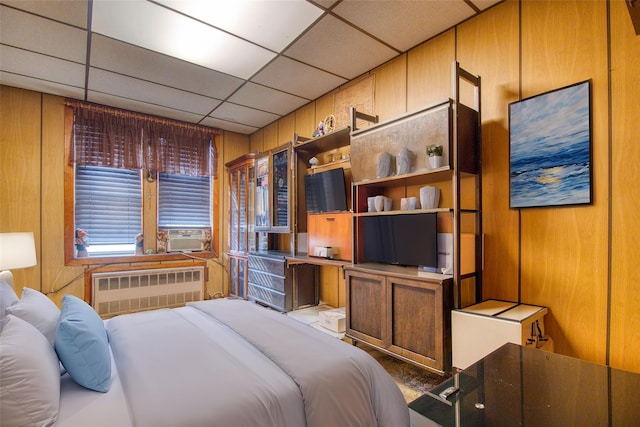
(412,380)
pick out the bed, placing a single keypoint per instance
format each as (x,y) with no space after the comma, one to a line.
(230,362)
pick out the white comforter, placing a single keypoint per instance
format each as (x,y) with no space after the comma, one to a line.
(233,363)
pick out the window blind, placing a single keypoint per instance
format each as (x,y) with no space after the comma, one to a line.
(108,204)
(184,201)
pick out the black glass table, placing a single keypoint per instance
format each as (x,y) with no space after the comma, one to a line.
(523,386)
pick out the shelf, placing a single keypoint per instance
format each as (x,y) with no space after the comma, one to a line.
(405,212)
(342,163)
(336,139)
(414,178)
(399,271)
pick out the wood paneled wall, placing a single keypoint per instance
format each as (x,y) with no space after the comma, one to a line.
(578,261)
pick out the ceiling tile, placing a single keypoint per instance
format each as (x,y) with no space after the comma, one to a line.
(339,48)
(238,114)
(296,78)
(419,20)
(273,24)
(43,35)
(71,12)
(113,55)
(142,107)
(147,92)
(44,86)
(233,127)
(42,67)
(266,99)
(154,27)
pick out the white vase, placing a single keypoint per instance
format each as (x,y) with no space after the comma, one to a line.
(429,197)
(435,161)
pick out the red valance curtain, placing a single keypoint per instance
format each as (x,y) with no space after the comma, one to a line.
(104,136)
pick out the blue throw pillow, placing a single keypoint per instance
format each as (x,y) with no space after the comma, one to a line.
(82,344)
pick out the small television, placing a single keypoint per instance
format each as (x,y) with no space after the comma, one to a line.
(407,239)
(326,191)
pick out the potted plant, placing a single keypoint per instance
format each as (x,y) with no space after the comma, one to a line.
(434,152)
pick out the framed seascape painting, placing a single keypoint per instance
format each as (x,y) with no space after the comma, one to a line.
(550,148)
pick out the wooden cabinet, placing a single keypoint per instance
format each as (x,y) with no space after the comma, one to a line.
(400,312)
(273,190)
(241,234)
(281,285)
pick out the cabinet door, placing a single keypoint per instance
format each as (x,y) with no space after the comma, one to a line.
(262,206)
(238,277)
(281,190)
(418,324)
(234,209)
(366,307)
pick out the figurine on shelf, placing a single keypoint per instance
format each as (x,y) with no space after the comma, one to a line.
(206,241)
(82,242)
(163,236)
(139,244)
(319,130)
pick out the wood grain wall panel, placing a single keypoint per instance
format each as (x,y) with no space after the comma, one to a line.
(20,172)
(256,141)
(565,250)
(390,91)
(488,46)
(625,175)
(306,120)
(329,286)
(286,128)
(429,71)
(271,137)
(324,107)
(54,273)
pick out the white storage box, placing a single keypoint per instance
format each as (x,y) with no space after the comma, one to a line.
(479,329)
(334,320)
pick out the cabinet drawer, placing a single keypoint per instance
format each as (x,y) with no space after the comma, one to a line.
(270,265)
(268,280)
(279,301)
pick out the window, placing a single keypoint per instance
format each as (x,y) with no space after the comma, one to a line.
(108,205)
(184,201)
(109,152)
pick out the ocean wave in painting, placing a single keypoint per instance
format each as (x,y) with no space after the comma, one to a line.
(550,149)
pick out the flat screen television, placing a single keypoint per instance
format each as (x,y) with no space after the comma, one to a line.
(408,239)
(326,191)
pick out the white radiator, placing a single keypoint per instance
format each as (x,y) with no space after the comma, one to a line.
(135,290)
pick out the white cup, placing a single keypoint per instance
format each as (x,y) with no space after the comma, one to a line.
(387,203)
(371,204)
(379,203)
(404,204)
(412,203)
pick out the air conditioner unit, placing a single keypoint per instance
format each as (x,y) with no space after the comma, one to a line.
(185,240)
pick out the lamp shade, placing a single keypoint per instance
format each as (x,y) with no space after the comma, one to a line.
(17,250)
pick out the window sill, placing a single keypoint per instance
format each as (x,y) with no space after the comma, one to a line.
(175,256)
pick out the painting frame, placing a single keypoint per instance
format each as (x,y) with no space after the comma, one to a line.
(550,148)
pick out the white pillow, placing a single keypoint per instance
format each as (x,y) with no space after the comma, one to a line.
(29,376)
(37,309)
(8,297)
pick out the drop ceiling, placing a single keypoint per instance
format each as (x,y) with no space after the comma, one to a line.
(236,65)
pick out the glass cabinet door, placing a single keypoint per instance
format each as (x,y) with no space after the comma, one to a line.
(280,192)
(262,194)
(242,210)
(234,209)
